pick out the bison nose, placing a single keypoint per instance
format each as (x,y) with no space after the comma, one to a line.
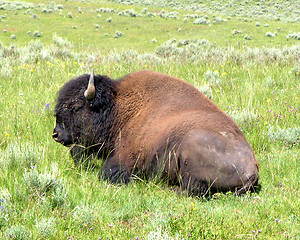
(55,136)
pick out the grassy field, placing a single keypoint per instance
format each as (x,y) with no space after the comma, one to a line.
(243,55)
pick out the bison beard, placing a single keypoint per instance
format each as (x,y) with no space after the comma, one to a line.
(151,124)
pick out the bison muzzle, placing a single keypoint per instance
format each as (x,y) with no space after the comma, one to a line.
(151,124)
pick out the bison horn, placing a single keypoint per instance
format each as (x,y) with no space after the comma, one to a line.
(91,90)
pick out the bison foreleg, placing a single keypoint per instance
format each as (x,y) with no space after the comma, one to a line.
(114,171)
(81,155)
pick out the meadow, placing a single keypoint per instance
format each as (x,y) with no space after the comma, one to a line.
(244,55)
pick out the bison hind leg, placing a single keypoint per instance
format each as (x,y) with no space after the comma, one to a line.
(193,186)
(219,161)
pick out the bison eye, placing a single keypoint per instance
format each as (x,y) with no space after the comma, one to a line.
(75,109)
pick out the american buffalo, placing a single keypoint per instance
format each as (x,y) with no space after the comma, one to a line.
(151,124)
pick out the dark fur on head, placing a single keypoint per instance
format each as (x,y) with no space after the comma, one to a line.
(87,122)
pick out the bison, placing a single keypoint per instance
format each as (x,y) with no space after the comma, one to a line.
(151,124)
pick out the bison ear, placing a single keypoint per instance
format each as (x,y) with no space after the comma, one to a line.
(90,92)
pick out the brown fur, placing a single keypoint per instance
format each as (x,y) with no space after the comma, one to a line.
(175,108)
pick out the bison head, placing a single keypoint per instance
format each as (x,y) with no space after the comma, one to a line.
(82,111)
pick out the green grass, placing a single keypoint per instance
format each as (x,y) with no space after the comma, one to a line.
(138,34)
(44,196)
